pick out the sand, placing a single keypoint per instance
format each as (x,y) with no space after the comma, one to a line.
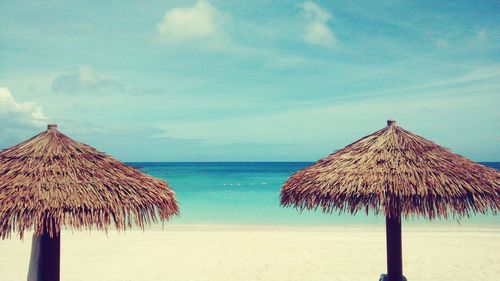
(218,253)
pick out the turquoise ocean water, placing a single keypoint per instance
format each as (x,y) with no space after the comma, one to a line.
(248,193)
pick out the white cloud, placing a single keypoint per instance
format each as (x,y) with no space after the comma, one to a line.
(9,107)
(317,31)
(85,79)
(17,118)
(200,21)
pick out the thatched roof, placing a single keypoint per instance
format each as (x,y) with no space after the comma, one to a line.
(51,180)
(391,171)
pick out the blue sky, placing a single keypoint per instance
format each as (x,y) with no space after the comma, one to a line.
(250,81)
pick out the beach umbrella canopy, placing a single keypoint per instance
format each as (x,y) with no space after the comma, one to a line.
(399,174)
(51,181)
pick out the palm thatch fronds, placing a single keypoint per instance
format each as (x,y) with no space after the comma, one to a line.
(51,180)
(396,172)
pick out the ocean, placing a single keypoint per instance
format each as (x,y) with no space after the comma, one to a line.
(248,193)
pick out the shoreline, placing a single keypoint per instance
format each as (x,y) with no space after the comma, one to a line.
(304,228)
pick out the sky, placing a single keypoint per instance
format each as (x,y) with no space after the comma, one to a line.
(253,80)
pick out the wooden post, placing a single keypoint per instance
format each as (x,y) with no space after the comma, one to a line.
(394,252)
(45,258)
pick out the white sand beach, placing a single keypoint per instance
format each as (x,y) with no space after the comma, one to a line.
(249,253)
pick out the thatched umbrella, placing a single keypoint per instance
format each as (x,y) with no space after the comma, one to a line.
(51,181)
(399,174)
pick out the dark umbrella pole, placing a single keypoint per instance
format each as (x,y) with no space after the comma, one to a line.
(394,251)
(45,258)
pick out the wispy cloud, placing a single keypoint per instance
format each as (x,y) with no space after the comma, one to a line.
(85,79)
(317,31)
(130,142)
(202,21)
(480,81)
